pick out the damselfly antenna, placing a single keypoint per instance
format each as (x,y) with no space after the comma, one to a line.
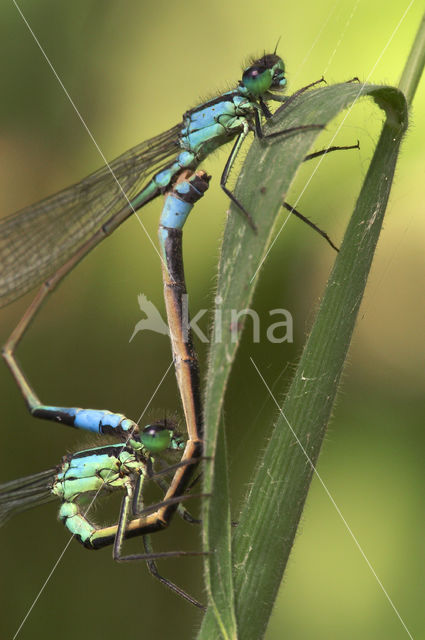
(277,44)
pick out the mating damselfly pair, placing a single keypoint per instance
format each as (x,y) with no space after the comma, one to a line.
(48,239)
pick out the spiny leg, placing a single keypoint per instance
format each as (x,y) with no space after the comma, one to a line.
(323,152)
(283,132)
(235,150)
(149,552)
(153,508)
(311,224)
(299,215)
(183,512)
(138,508)
(316,154)
(134,494)
(225,175)
(286,101)
(181,509)
(153,569)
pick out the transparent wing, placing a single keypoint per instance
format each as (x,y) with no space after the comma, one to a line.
(25,493)
(37,240)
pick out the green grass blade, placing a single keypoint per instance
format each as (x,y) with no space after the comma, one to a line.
(266,176)
(414,66)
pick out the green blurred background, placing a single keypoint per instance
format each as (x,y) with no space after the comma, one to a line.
(133,68)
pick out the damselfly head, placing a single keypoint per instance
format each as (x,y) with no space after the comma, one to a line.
(161,435)
(263,74)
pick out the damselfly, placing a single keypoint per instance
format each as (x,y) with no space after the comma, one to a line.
(127,464)
(64,227)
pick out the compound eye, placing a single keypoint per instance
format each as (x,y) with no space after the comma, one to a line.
(257,80)
(252,73)
(156,438)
